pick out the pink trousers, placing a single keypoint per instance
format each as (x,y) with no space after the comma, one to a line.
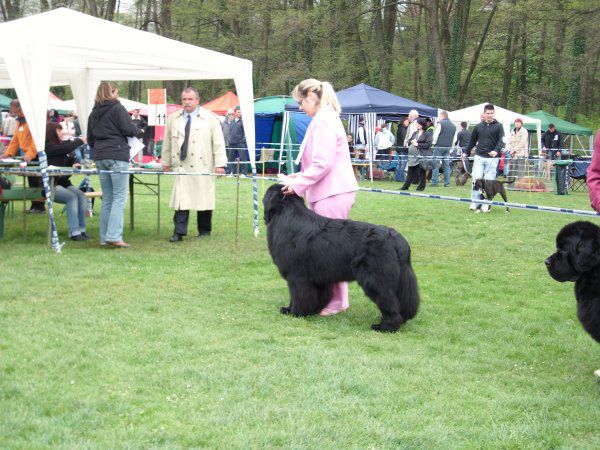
(336,207)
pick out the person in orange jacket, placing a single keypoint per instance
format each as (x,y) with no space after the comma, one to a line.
(22,139)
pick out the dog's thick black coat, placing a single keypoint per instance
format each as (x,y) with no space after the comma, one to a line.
(313,253)
(578,259)
(491,188)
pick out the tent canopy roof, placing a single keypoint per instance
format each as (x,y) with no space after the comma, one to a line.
(363,98)
(472,115)
(272,105)
(221,104)
(104,50)
(561,125)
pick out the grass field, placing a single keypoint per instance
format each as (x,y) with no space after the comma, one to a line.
(165,345)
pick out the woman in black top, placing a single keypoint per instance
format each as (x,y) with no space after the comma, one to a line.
(62,153)
(109,126)
(419,156)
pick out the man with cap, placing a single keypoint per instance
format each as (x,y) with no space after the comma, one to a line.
(227,127)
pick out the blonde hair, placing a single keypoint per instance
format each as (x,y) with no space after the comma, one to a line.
(106,92)
(322,89)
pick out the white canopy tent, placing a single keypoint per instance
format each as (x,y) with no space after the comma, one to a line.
(69,105)
(472,115)
(104,50)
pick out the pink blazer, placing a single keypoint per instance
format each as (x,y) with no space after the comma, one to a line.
(593,175)
(326,166)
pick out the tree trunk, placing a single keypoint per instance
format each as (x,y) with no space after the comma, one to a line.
(437,52)
(509,59)
(390,13)
(561,29)
(578,66)
(523,84)
(417,85)
(379,50)
(486,28)
(540,66)
(457,49)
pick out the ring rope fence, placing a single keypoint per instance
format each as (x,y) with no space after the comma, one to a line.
(46,171)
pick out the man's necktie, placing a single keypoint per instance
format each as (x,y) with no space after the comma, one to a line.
(184,146)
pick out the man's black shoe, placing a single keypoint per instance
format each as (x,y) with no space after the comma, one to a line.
(203,234)
(176,238)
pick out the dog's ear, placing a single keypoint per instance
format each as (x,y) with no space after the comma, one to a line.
(272,202)
(587,255)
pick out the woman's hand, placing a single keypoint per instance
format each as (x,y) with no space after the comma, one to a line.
(287,190)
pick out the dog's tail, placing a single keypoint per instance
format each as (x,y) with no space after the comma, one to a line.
(407,291)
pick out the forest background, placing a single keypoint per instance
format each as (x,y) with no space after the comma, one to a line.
(524,55)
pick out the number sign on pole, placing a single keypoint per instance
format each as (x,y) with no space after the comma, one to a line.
(157,107)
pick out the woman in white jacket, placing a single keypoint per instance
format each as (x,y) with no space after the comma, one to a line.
(384,140)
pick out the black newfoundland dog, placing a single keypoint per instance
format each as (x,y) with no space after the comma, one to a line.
(578,259)
(313,252)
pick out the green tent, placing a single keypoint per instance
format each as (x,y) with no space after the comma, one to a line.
(561,125)
(269,120)
(4,101)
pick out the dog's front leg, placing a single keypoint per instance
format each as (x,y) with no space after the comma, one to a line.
(304,298)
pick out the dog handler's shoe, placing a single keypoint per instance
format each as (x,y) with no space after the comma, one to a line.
(473,207)
(597,373)
(330,312)
(486,208)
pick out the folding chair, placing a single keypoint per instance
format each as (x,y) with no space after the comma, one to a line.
(578,175)
(389,167)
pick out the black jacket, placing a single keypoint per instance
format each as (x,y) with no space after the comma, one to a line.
(489,137)
(462,138)
(552,141)
(424,142)
(62,155)
(109,126)
(401,135)
(237,138)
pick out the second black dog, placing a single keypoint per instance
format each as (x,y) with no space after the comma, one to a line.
(491,188)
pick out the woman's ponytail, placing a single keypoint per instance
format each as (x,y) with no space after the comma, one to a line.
(322,89)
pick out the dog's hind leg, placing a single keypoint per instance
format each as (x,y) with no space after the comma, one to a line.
(378,290)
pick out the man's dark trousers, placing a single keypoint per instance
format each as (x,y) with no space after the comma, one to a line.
(181,219)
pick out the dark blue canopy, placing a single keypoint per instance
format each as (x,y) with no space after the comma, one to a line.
(363,98)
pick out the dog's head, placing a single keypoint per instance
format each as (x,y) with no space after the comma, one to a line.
(578,251)
(274,201)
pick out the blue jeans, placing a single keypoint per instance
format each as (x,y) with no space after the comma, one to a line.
(114,197)
(76,204)
(399,173)
(442,154)
(483,169)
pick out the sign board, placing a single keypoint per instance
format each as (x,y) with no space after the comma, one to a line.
(157,107)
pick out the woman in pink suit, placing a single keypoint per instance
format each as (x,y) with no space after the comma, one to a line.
(593,175)
(327,180)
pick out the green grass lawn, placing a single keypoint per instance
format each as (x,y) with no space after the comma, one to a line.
(166,345)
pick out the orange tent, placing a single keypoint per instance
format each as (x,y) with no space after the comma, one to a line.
(221,104)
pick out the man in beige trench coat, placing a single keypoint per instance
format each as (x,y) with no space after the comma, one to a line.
(193,142)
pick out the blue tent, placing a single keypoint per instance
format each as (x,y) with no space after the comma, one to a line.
(362,98)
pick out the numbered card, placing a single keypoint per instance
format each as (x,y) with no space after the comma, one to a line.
(157,107)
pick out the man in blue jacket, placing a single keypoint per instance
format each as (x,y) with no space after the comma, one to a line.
(488,135)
